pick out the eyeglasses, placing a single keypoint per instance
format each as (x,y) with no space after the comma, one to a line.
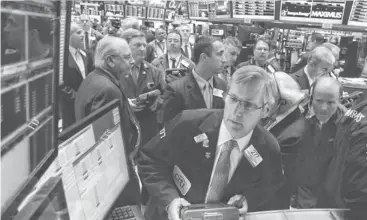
(248,106)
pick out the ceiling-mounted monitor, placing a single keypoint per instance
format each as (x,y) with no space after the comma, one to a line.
(358,14)
(260,9)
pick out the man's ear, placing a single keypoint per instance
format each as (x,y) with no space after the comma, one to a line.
(110,62)
(265,111)
(203,56)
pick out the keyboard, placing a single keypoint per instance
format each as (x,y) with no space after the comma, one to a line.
(126,213)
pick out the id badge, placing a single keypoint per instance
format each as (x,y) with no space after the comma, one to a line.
(218,92)
(252,156)
(181,181)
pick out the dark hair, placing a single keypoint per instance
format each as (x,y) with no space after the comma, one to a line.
(317,37)
(43,26)
(263,39)
(175,32)
(203,44)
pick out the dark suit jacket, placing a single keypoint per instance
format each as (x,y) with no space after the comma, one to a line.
(184,93)
(301,63)
(148,75)
(175,146)
(191,47)
(301,78)
(162,63)
(99,88)
(72,79)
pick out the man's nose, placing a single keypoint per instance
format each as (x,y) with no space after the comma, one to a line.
(238,110)
(324,106)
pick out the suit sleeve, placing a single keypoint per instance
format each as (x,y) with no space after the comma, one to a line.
(355,190)
(155,164)
(172,105)
(262,195)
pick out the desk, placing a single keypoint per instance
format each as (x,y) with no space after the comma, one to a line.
(299,214)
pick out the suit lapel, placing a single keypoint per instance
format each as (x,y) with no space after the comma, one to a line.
(72,64)
(142,76)
(195,92)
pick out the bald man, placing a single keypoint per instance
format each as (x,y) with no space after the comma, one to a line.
(316,148)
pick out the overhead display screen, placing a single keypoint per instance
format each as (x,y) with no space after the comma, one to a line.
(261,9)
(314,11)
(221,9)
(199,9)
(358,14)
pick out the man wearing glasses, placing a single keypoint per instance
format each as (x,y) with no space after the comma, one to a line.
(216,156)
(261,57)
(321,61)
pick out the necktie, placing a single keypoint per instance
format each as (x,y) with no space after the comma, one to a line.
(207,95)
(221,173)
(173,62)
(187,50)
(135,73)
(86,38)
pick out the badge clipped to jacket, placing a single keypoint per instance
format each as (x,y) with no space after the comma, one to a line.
(252,156)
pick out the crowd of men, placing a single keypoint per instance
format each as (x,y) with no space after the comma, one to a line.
(201,130)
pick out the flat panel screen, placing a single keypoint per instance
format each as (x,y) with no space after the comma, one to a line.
(254,9)
(358,14)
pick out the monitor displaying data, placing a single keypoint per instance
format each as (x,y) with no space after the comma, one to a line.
(314,11)
(94,164)
(32,48)
(199,10)
(254,9)
(358,14)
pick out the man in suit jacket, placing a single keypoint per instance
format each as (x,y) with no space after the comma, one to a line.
(186,47)
(79,65)
(233,49)
(91,36)
(159,44)
(173,59)
(320,62)
(191,161)
(113,60)
(202,88)
(144,77)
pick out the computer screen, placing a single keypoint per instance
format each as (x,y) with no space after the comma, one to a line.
(95,165)
(31,39)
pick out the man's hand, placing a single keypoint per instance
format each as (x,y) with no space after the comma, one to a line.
(241,205)
(135,106)
(156,104)
(175,207)
(171,78)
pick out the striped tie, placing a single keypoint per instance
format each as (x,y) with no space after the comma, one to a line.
(221,173)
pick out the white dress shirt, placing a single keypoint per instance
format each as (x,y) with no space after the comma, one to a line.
(77,56)
(236,154)
(206,88)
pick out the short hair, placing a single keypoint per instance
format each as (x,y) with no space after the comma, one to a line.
(335,50)
(203,44)
(107,47)
(262,39)
(329,80)
(317,37)
(158,29)
(320,54)
(74,27)
(130,22)
(232,41)
(253,74)
(131,33)
(175,32)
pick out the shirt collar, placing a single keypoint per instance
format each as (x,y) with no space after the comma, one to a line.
(72,50)
(176,58)
(310,80)
(201,81)
(225,136)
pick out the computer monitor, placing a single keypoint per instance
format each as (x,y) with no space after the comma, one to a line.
(95,164)
(32,48)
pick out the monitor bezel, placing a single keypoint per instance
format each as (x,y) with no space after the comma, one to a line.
(10,207)
(77,127)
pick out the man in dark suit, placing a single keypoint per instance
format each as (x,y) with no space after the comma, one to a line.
(186,47)
(174,58)
(80,64)
(233,49)
(202,88)
(144,78)
(320,61)
(202,156)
